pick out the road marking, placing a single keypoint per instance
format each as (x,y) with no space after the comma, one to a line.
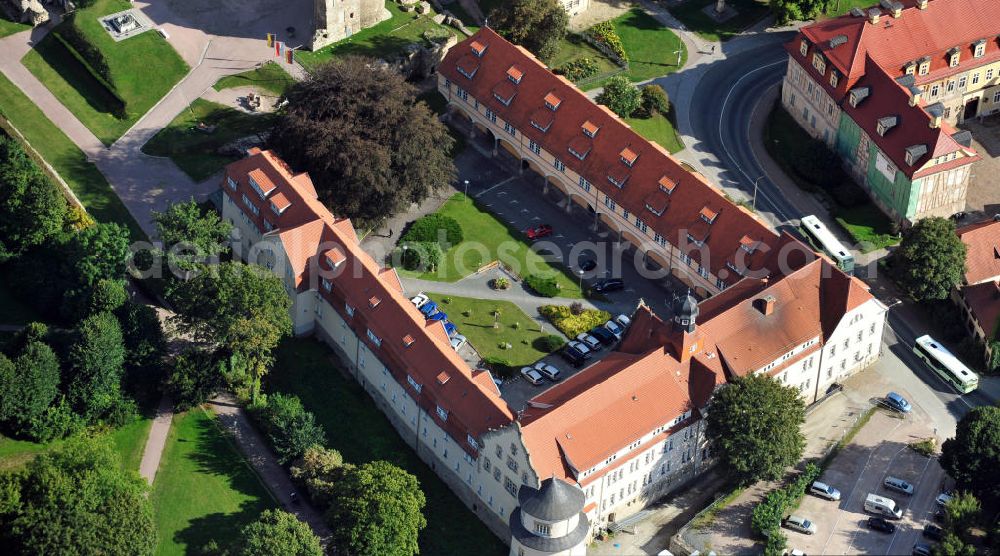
(491,188)
(722,138)
(902,340)
(920,481)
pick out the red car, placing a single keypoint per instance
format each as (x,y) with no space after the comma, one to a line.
(539,231)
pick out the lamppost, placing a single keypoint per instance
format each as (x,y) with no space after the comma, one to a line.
(579,272)
(678,53)
(753,204)
(466,188)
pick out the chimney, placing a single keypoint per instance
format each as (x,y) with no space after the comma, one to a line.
(935,122)
(922,4)
(873,15)
(915,96)
(766,305)
(893,6)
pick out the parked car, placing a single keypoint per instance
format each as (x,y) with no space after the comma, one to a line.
(587,265)
(457,341)
(897,402)
(603,335)
(608,285)
(573,356)
(897,484)
(613,328)
(581,347)
(800,524)
(428,308)
(824,490)
(539,231)
(933,532)
(450,328)
(880,524)
(623,321)
(438,316)
(532,376)
(938,515)
(591,342)
(548,371)
(943,499)
(419,300)
(921,549)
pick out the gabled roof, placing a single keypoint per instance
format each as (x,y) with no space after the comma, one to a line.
(982,259)
(983,299)
(595,133)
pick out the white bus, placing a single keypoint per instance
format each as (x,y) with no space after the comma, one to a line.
(824,240)
(945,364)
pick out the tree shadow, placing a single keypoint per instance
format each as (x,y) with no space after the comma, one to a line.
(62,61)
(222,528)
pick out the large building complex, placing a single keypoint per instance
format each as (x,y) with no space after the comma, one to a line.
(618,434)
(884,87)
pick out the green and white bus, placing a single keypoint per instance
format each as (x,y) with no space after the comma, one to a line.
(945,364)
(824,240)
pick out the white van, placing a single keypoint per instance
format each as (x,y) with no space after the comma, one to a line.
(883,506)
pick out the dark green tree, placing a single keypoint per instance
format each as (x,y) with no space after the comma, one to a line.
(972,458)
(654,100)
(786,11)
(290,429)
(193,377)
(953,545)
(28,386)
(98,252)
(96,362)
(537,25)
(32,209)
(242,308)
(621,96)
(930,259)
(278,533)
(107,296)
(397,151)
(191,235)
(377,509)
(962,512)
(754,428)
(145,346)
(75,499)
(994,362)
(318,470)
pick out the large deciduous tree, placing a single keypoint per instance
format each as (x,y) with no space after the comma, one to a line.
(242,308)
(754,428)
(370,147)
(28,386)
(96,365)
(191,235)
(32,209)
(377,509)
(621,96)
(930,259)
(145,345)
(537,25)
(278,533)
(972,458)
(797,10)
(290,428)
(75,499)
(318,470)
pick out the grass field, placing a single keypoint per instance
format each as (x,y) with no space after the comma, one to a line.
(477,327)
(194,151)
(748,12)
(488,239)
(270,77)
(361,433)
(143,68)
(841,7)
(384,40)
(128,442)
(83,177)
(204,489)
(8,27)
(650,46)
(573,48)
(660,129)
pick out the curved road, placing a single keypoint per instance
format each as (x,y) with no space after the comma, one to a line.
(721,110)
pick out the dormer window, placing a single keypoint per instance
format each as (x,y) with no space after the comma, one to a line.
(442,413)
(748,244)
(552,102)
(279,203)
(910,68)
(980,48)
(924,67)
(514,74)
(579,155)
(334,257)
(695,241)
(478,48)
(667,185)
(375,339)
(885,124)
(914,152)
(373,301)
(469,72)
(858,94)
(954,56)
(819,63)
(834,79)
(502,99)
(628,156)
(260,183)
(231,182)
(708,215)
(590,129)
(803,47)
(416,385)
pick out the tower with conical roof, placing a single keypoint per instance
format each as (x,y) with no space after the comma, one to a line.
(549,521)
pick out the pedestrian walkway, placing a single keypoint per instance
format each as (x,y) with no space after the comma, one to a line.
(156,440)
(234,419)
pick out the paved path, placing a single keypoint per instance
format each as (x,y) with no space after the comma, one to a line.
(232,416)
(156,440)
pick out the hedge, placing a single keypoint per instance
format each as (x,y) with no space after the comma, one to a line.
(499,366)
(606,34)
(429,228)
(549,343)
(121,105)
(543,286)
(768,514)
(572,325)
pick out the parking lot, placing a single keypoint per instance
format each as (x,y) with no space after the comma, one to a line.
(880,449)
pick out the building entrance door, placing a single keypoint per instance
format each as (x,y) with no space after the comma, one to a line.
(971,109)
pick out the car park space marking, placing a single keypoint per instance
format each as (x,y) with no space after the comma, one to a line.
(920,481)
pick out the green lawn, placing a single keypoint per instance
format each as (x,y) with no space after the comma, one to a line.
(143,68)
(270,77)
(488,239)
(204,489)
(489,341)
(194,151)
(869,227)
(128,441)
(8,27)
(650,46)
(573,48)
(660,129)
(16,453)
(361,433)
(384,40)
(749,12)
(83,177)
(841,7)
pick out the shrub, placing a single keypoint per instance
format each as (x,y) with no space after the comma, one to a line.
(423,256)
(767,514)
(444,230)
(621,96)
(576,308)
(549,343)
(500,283)
(571,325)
(926,447)
(579,69)
(289,428)
(654,100)
(605,34)
(499,366)
(545,286)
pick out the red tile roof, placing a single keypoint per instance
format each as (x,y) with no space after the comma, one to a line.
(602,152)
(982,259)
(983,299)
(310,235)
